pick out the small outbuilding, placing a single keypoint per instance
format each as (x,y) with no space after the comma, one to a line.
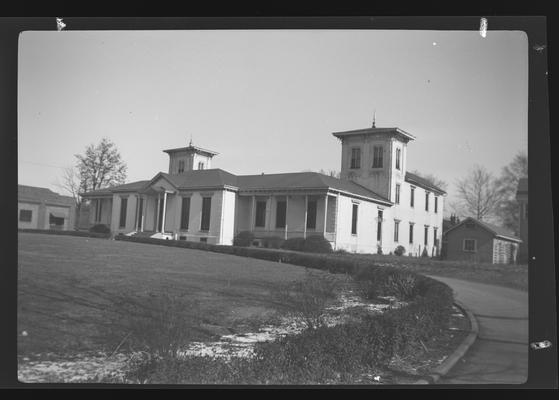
(41,208)
(479,241)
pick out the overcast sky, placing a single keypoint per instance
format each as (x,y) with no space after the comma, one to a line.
(268,100)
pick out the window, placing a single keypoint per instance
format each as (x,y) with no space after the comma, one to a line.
(426,201)
(206,213)
(200,165)
(311,214)
(435,239)
(56,221)
(379,226)
(204,239)
(25,215)
(185,213)
(123,205)
(411,232)
(396,230)
(181,166)
(355,158)
(377,156)
(281,212)
(354,219)
(398,154)
(436,204)
(412,196)
(260,220)
(98,210)
(470,245)
(397,194)
(426,236)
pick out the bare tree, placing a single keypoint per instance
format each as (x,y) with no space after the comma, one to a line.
(70,183)
(478,193)
(100,166)
(508,210)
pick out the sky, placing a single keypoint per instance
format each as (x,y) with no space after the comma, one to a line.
(269,100)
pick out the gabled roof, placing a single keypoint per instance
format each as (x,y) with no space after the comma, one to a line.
(33,193)
(202,178)
(422,182)
(496,230)
(305,180)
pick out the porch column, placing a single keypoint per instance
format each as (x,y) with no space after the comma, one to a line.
(157,212)
(252,213)
(164,210)
(136,221)
(325,212)
(286,214)
(144,203)
(306,208)
(269,222)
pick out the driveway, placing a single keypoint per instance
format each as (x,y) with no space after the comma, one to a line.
(500,353)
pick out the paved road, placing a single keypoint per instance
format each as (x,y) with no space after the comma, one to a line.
(500,354)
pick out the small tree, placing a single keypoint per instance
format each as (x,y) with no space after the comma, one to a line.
(478,193)
(507,210)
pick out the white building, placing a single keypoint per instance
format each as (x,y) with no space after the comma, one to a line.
(376,205)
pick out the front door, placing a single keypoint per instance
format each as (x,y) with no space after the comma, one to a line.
(160,219)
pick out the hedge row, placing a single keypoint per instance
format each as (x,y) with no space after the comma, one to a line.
(68,233)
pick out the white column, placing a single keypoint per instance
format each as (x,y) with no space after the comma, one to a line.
(143,213)
(306,208)
(325,212)
(164,210)
(157,213)
(286,213)
(136,221)
(252,213)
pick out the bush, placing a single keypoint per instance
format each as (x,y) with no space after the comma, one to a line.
(67,233)
(400,250)
(424,253)
(317,244)
(379,250)
(100,228)
(243,239)
(272,242)
(295,244)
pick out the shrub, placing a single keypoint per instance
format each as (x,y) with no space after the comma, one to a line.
(400,250)
(272,242)
(295,244)
(424,253)
(379,250)
(100,228)
(317,244)
(243,239)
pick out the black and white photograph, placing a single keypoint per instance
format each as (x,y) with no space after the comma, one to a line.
(273,206)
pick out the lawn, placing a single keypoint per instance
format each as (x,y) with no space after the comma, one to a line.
(69,288)
(512,276)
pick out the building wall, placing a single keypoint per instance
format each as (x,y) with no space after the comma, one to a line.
(34,223)
(365,241)
(190,159)
(106,211)
(130,213)
(484,239)
(67,212)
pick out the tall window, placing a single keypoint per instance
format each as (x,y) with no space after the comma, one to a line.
(181,166)
(206,213)
(436,204)
(411,232)
(200,165)
(123,205)
(281,212)
(470,245)
(435,239)
(398,155)
(355,158)
(412,196)
(396,230)
(397,194)
(377,156)
(426,201)
(185,212)
(426,236)
(354,219)
(25,215)
(379,226)
(311,214)
(260,219)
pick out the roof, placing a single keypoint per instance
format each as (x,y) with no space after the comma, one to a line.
(496,230)
(305,180)
(33,193)
(218,178)
(424,183)
(374,131)
(522,185)
(194,149)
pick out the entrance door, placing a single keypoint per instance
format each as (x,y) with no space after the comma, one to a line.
(160,223)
